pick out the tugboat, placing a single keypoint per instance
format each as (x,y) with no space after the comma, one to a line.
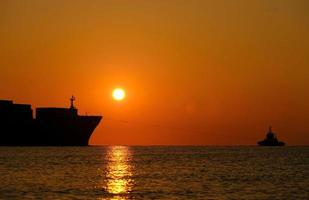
(270,140)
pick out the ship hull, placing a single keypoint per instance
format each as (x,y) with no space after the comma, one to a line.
(266,143)
(71,132)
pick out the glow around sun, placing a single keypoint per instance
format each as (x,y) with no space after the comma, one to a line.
(119,94)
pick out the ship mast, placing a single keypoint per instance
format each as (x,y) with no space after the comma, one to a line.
(72,99)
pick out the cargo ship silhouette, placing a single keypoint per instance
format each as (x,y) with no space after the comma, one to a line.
(51,127)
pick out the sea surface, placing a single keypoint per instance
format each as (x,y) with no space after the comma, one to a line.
(154,172)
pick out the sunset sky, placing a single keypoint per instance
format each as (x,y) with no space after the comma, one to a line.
(195,72)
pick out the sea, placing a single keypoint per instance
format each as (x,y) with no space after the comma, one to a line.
(154,172)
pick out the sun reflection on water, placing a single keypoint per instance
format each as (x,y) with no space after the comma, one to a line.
(118,172)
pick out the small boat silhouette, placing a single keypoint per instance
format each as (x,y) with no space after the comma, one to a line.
(270,140)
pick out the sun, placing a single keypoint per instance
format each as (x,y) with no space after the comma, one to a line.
(119,94)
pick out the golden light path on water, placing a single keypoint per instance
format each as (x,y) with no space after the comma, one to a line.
(118,172)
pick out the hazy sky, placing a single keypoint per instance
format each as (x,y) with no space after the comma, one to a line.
(195,71)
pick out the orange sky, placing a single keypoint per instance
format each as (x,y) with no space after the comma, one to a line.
(195,71)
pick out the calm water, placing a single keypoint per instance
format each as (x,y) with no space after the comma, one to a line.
(121,172)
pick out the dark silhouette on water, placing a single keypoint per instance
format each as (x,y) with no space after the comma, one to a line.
(271,140)
(51,127)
